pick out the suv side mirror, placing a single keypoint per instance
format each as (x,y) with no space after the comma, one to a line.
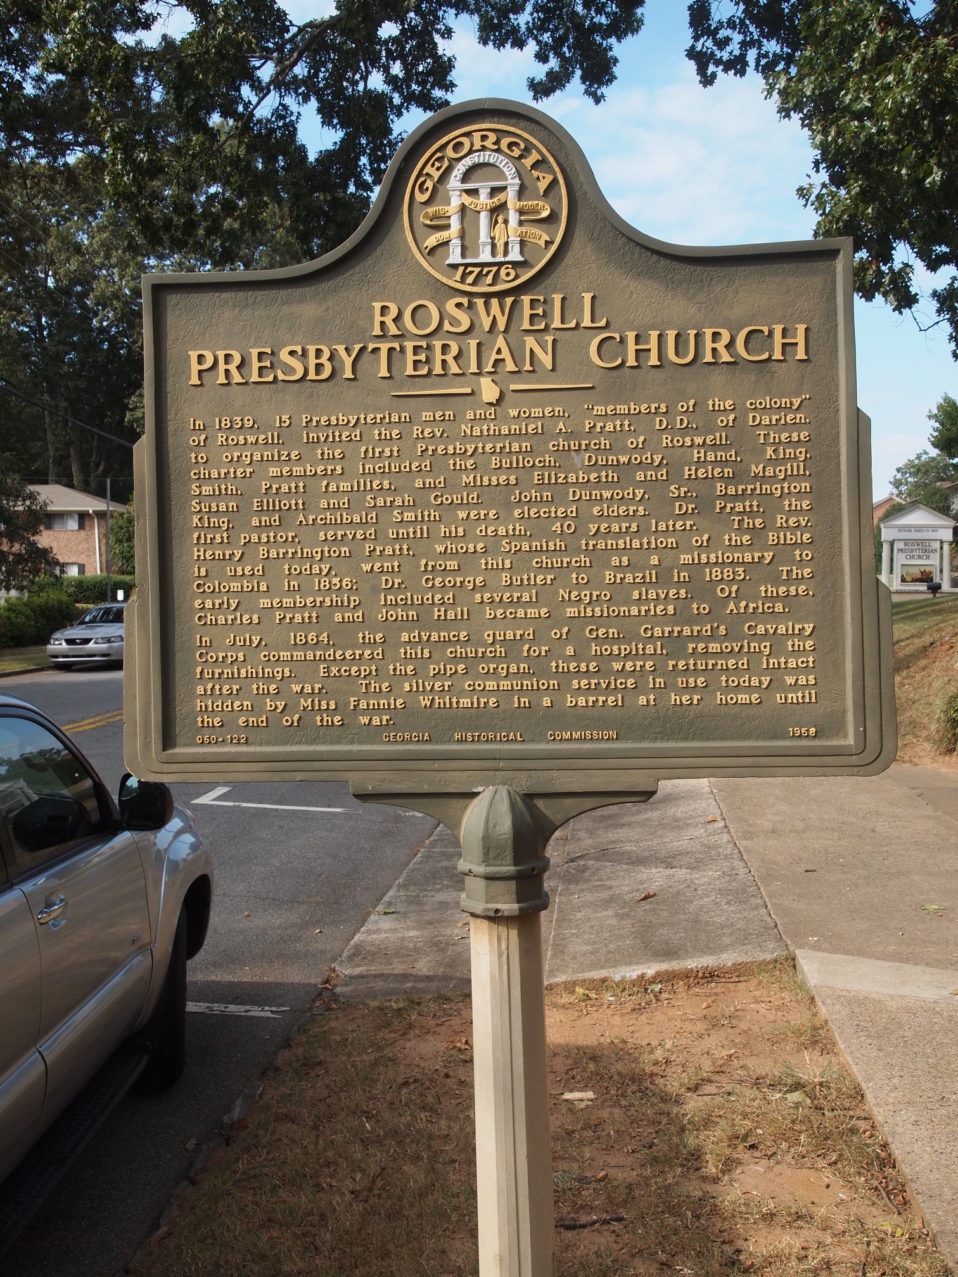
(144,804)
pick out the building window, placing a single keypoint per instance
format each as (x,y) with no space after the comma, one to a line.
(65,522)
(72,569)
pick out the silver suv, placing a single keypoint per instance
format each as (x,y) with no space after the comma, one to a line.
(101,905)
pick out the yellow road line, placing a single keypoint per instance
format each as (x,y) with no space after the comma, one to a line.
(97,720)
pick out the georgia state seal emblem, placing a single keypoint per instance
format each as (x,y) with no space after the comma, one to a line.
(485,208)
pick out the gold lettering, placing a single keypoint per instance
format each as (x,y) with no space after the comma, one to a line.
(798,341)
(717,339)
(652,346)
(291,357)
(741,343)
(261,358)
(595,352)
(385,315)
(229,363)
(200,361)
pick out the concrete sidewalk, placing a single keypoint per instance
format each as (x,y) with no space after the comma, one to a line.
(861,877)
(856,876)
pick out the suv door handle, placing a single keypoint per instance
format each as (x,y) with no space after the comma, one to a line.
(54,906)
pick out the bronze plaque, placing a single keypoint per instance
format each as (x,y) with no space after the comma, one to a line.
(504,491)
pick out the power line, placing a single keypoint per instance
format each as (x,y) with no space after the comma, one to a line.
(64,416)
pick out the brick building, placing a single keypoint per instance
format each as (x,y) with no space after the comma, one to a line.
(75,528)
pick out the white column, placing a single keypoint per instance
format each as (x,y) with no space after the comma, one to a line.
(945,565)
(455,225)
(485,226)
(513,1156)
(886,563)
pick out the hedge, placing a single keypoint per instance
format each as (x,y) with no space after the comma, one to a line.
(31,619)
(84,589)
(948,724)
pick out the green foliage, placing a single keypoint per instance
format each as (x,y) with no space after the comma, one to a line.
(50,602)
(122,527)
(91,589)
(21,521)
(125,148)
(33,618)
(917,479)
(875,85)
(191,140)
(945,435)
(53,609)
(948,724)
(70,346)
(196,133)
(129,143)
(85,590)
(18,624)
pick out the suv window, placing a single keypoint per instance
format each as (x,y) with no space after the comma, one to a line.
(48,799)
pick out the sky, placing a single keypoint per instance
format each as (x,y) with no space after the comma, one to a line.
(655,127)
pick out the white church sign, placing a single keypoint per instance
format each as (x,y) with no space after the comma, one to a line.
(916,549)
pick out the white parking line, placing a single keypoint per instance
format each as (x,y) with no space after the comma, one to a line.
(229,1008)
(212,799)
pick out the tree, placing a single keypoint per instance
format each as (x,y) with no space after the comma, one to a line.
(21,521)
(919,479)
(153,133)
(945,435)
(122,525)
(125,148)
(69,323)
(921,476)
(197,133)
(875,84)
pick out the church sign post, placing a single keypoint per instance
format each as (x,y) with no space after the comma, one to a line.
(504,511)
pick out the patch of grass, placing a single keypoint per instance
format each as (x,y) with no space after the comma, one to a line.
(926,675)
(13,659)
(913,617)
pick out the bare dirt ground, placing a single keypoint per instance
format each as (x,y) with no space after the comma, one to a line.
(702,1123)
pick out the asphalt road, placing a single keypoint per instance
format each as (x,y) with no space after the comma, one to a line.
(298,868)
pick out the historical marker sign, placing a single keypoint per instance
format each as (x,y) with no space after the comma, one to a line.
(505,491)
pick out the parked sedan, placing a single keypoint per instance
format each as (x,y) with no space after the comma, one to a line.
(96,639)
(101,905)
